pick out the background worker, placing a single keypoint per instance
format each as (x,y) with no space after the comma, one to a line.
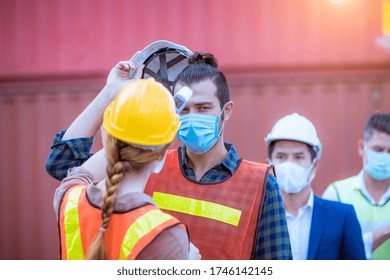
(112,218)
(319,229)
(369,191)
(228,217)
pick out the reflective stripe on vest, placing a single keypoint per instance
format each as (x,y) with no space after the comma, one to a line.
(139,229)
(196,207)
(370,216)
(71,222)
(127,235)
(222,218)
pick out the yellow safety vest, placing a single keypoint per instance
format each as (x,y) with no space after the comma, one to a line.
(370,216)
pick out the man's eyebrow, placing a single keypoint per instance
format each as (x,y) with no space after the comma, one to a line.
(203,103)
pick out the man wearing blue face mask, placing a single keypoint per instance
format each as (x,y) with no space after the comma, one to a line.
(319,229)
(232,207)
(369,191)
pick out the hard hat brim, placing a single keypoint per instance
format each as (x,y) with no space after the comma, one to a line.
(155,47)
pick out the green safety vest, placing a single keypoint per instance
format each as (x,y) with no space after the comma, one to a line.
(370,216)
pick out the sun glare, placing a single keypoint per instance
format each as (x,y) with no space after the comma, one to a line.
(338,2)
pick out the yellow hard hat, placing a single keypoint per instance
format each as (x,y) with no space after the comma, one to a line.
(143,113)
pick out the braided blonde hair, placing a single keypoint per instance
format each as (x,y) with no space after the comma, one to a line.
(121,158)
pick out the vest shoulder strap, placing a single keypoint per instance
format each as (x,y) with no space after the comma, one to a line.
(344,188)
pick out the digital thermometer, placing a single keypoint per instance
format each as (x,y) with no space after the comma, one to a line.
(181,98)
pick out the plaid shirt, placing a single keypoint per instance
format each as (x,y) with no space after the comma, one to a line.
(273,238)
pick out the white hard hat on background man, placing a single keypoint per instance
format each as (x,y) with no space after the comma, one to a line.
(297,128)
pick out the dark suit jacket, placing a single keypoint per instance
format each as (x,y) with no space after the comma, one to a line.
(335,232)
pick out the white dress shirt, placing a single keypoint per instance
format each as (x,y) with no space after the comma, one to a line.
(299,229)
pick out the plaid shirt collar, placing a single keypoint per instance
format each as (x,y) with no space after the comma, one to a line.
(230,162)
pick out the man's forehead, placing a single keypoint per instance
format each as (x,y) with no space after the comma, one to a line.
(290,146)
(379,137)
(200,96)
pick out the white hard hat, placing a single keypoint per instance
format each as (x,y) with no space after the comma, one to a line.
(297,128)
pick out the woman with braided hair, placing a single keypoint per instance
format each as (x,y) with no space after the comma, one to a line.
(111,217)
(232,206)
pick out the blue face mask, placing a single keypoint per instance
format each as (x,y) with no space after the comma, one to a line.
(378,165)
(199,132)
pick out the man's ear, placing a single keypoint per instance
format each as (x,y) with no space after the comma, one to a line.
(316,165)
(360,147)
(228,110)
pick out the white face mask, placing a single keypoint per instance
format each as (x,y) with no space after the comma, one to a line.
(292,177)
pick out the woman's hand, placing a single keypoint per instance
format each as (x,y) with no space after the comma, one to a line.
(120,74)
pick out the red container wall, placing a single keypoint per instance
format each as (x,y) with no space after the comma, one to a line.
(29,118)
(71,36)
(313,57)
(31,114)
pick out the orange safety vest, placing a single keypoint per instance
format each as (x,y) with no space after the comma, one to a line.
(126,236)
(222,218)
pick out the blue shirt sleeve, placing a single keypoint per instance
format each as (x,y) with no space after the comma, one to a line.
(273,238)
(66,154)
